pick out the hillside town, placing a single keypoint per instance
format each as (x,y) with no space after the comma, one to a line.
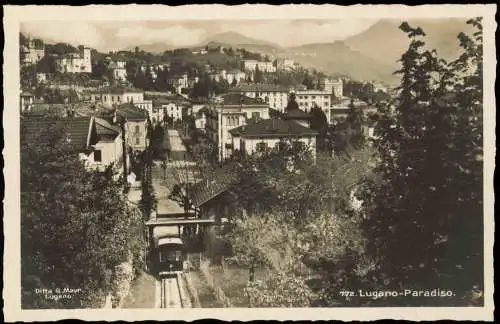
(280,182)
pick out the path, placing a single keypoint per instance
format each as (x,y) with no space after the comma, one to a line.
(176,172)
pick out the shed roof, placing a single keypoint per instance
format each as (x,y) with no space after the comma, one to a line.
(213,185)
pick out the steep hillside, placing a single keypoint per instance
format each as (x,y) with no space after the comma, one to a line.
(152,47)
(338,58)
(235,39)
(385,43)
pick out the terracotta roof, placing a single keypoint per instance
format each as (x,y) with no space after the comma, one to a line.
(273,127)
(240,99)
(296,114)
(220,181)
(131,112)
(77,128)
(104,128)
(116,89)
(262,87)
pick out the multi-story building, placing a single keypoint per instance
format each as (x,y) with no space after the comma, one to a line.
(120,74)
(135,120)
(27,101)
(275,96)
(179,82)
(268,133)
(284,64)
(117,95)
(335,87)
(75,62)
(235,74)
(251,65)
(172,106)
(231,111)
(41,77)
(229,76)
(31,54)
(307,99)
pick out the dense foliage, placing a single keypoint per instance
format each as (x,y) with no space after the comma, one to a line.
(418,221)
(76,225)
(430,191)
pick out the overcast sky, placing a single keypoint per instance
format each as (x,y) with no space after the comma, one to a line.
(118,35)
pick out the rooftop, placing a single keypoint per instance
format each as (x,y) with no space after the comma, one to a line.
(234,98)
(216,183)
(77,128)
(104,128)
(131,112)
(264,87)
(273,127)
(296,113)
(234,71)
(117,90)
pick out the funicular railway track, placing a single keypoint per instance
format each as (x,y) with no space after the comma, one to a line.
(170,292)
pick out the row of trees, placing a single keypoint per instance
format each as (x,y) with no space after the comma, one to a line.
(76,225)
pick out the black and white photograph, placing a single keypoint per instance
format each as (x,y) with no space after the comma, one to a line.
(223,162)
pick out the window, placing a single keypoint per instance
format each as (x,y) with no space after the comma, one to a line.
(113,98)
(326,97)
(97,156)
(104,98)
(137,128)
(137,141)
(261,147)
(313,97)
(256,115)
(170,255)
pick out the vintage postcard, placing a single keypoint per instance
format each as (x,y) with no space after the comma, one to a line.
(249,162)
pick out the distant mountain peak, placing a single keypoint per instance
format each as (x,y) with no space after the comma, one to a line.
(233,38)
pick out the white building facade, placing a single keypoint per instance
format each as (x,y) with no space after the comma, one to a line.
(75,62)
(235,110)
